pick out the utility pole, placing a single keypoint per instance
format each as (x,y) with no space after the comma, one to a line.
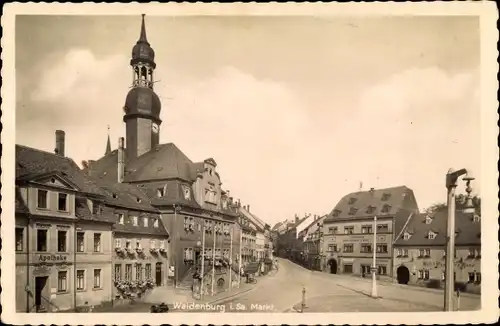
(374,264)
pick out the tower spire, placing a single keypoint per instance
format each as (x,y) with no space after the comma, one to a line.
(143,38)
(108,145)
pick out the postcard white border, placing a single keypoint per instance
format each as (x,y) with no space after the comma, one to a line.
(489,158)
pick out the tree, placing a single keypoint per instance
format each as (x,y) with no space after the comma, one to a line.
(460,201)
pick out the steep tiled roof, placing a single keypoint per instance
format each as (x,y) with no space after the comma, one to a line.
(30,161)
(380,202)
(468,231)
(251,218)
(165,161)
(83,212)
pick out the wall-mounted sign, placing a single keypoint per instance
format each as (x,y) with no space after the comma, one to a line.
(441,264)
(51,258)
(381,238)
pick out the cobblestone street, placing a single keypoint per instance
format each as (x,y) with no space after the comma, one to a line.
(336,293)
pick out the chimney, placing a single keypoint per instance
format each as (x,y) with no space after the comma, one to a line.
(248,208)
(121,159)
(60,135)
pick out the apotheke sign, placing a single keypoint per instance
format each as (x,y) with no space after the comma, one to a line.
(52,258)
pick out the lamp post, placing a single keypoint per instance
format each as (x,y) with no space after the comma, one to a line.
(451,185)
(176,209)
(374,264)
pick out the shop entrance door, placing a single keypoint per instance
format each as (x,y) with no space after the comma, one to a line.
(41,293)
(158,274)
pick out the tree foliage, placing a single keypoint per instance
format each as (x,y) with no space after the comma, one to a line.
(460,201)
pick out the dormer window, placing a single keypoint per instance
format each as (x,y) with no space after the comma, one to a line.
(156,223)
(352,200)
(138,199)
(145,221)
(386,196)
(428,220)
(476,218)
(115,195)
(406,236)
(336,213)
(134,220)
(370,210)
(431,235)
(160,192)
(386,208)
(353,211)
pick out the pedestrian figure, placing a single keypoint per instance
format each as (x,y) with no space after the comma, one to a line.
(195,288)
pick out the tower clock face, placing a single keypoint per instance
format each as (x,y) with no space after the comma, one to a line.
(155,128)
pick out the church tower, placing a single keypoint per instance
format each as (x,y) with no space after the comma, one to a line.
(142,105)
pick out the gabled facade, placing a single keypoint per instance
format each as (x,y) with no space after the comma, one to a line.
(63,235)
(419,250)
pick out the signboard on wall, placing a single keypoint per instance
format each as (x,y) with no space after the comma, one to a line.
(51,258)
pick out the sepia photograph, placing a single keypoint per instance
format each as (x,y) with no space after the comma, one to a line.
(278,164)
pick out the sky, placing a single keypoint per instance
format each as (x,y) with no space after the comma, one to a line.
(296,111)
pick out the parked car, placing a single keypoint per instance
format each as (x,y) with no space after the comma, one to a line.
(161,308)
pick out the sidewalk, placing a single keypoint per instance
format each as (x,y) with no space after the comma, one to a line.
(359,303)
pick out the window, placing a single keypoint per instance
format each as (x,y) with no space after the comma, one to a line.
(62,281)
(476,218)
(398,252)
(118,272)
(121,218)
(428,220)
(162,244)
(145,220)
(118,243)
(42,199)
(353,211)
(61,241)
(138,272)
(336,212)
(128,272)
(472,277)
(386,208)
(97,242)
(386,196)
(96,208)
(19,239)
(404,252)
(348,230)
(478,278)
(352,200)
(431,235)
(160,192)
(134,220)
(406,236)
(155,223)
(62,202)
(382,248)
(148,271)
(348,247)
(333,230)
(382,270)
(97,278)
(152,244)
(80,279)
(370,210)
(41,240)
(423,274)
(332,248)
(381,228)
(80,241)
(348,268)
(366,248)
(366,229)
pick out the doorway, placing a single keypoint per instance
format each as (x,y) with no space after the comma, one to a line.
(333,266)
(197,258)
(41,293)
(403,275)
(158,268)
